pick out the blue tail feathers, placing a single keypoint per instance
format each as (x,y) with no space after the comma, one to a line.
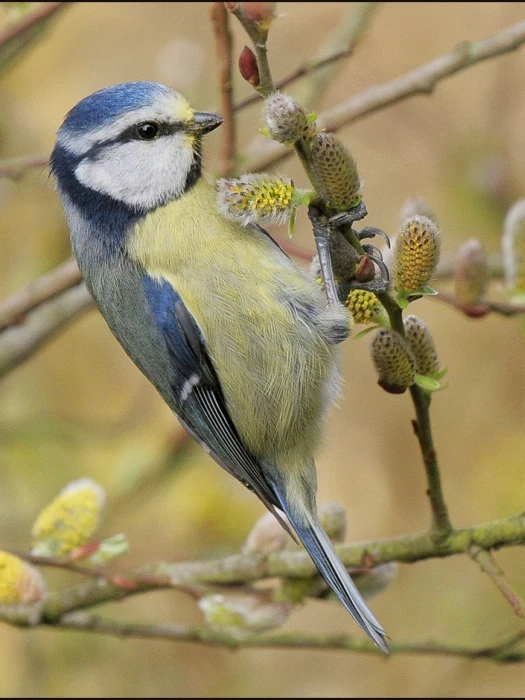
(331,568)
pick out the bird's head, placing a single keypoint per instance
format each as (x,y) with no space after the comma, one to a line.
(137,143)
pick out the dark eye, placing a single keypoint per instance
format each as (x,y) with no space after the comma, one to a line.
(147,131)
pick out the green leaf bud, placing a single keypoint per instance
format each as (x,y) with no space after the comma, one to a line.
(513,244)
(286,120)
(472,273)
(242,616)
(332,517)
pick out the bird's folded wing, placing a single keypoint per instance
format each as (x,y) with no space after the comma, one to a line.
(201,406)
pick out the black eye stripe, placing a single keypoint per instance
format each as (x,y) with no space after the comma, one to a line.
(130,134)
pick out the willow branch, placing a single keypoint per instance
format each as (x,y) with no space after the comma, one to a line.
(50,285)
(245,569)
(223,39)
(441,525)
(482,308)
(488,565)
(422,80)
(14,168)
(15,36)
(501,652)
(341,45)
(17,343)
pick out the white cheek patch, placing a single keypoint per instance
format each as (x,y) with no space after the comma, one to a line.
(142,174)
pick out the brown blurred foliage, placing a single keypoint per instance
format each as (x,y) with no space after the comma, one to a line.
(79,407)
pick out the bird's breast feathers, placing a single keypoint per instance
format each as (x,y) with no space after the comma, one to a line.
(256,309)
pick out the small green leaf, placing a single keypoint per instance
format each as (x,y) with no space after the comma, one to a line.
(427,383)
(365,331)
(311,117)
(427,291)
(110,548)
(442,372)
(401,299)
(302,197)
(292,221)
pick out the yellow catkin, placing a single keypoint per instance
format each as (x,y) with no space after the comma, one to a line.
(256,198)
(416,253)
(69,521)
(334,172)
(20,583)
(393,360)
(364,306)
(422,345)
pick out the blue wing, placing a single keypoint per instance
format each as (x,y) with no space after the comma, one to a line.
(199,401)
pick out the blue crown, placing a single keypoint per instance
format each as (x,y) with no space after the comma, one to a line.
(109,103)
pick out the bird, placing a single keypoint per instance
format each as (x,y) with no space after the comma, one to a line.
(237,339)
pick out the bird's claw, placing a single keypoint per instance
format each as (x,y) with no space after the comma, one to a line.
(371,250)
(349,217)
(370,232)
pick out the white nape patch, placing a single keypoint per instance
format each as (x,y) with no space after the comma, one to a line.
(188,386)
(168,107)
(140,173)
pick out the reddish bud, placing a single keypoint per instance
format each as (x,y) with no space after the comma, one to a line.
(85,551)
(365,271)
(248,66)
(260,12)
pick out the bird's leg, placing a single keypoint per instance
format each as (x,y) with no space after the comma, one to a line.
(322,234)
(363,277)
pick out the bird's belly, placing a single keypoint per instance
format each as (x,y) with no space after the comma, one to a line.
(272,364)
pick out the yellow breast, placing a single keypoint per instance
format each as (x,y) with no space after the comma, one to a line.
(241,289)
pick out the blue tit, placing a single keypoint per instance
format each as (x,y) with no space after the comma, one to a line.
(237,339)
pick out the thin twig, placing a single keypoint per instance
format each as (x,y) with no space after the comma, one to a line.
(17,35)
(502,652)
(258,34)
(346,37)
(422,80)
(488,565)
(223,38)
(244,568)
(14,308)
(19,342)
(14,168)
(482,308)
(39,14)
(441,525)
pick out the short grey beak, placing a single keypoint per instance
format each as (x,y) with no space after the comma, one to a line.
(203,123)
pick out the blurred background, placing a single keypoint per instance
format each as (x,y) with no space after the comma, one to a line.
(79,407)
